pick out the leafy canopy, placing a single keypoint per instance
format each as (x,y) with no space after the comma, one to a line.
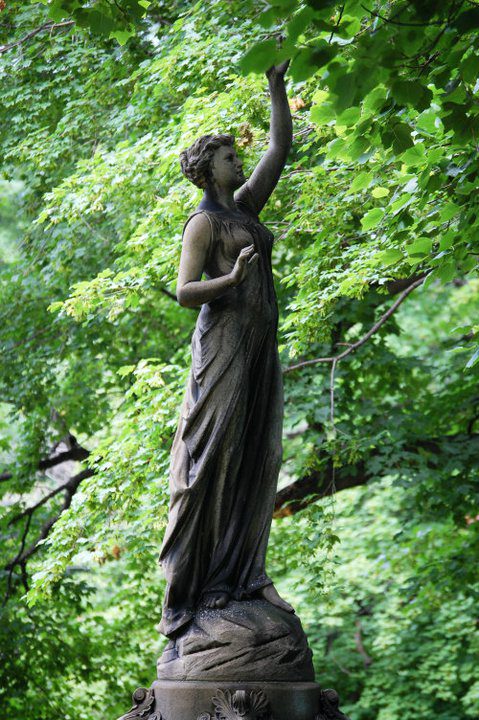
(378,194)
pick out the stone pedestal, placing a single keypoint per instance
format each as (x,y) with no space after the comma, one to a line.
(247,661)
(196,700)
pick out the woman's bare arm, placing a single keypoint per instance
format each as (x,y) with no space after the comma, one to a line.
(191,290)
(266,174)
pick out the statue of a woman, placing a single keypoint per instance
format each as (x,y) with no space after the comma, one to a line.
(226,454)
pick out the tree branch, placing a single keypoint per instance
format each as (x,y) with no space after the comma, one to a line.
(358,639)
(336,358)
(319,484)
(23,555)
(398,285)
(46,26)
(329,480)
(77,453)
(17,559)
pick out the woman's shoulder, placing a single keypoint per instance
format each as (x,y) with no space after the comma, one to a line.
(199,230)
(198,220)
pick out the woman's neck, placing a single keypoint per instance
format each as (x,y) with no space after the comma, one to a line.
(220,197)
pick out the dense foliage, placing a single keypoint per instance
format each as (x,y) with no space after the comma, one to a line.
(376,537)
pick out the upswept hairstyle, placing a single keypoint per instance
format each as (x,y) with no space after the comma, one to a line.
(195,161)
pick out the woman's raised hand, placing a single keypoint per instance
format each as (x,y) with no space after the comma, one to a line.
(277,71)
(244,261)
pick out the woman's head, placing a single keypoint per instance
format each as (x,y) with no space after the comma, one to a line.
(212,159)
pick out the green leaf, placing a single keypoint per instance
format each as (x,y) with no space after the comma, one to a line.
(402,137)
(309,60)
(375,100)
(421,246)
(268,18)
(473,359)
(447,271)
(447,240)
(122,36)
(337,148)
(379,192)
(259,58)
(284,4)
(372,218)
(361,181)
(299,22)
(126,370)
(302,66)
(448,211)
(322,114)
(349,117)
(403,201)
(57,11)
(100,23)
(414,156)
(470,68)
(411,92)
(429,121)
(357,149)
(345,91)
(388,257)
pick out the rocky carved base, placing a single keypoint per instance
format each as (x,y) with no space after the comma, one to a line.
(245,641)
(210,701)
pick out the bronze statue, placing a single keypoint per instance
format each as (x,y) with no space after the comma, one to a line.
(226,454)
(236,649)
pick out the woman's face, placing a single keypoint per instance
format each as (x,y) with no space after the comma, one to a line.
(226,168)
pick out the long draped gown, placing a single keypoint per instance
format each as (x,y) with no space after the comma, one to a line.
(227,450)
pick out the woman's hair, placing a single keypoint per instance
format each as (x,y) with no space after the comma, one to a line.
(196,160)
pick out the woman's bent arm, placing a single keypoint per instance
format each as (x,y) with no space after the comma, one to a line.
(191,291)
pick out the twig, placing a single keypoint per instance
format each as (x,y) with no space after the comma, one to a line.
(47,26)
(23,569)
(331,389)
(30,510)
(336,358)
(390,21)
(337,24)
(169,294)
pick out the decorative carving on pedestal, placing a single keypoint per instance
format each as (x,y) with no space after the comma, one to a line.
(239,705)
(329,706)
(143,706)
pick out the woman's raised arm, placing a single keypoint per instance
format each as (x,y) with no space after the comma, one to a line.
(265,176)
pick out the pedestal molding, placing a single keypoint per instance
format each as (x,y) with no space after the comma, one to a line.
(235,701)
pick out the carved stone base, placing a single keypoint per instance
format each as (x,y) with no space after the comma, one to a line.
(190,700)
(245,641)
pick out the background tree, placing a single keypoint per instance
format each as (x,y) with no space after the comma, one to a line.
(376,270)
